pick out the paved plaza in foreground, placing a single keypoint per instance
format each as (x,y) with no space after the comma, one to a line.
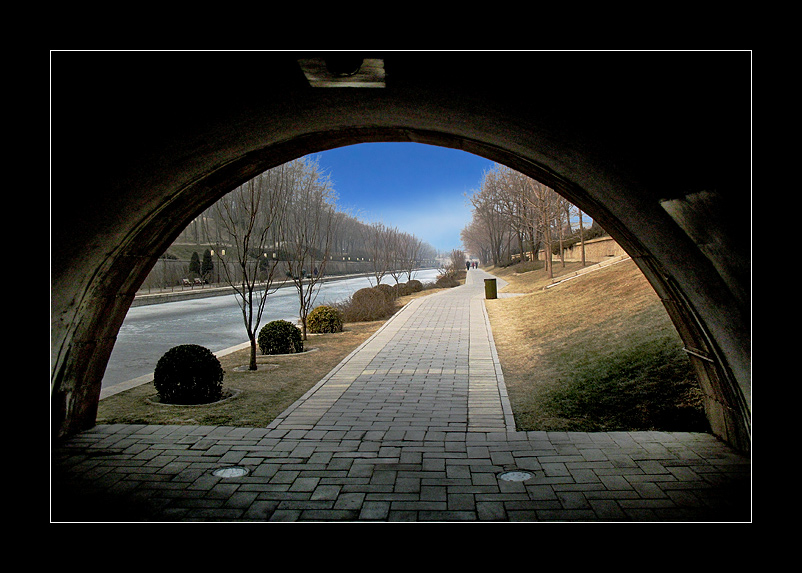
(414,425)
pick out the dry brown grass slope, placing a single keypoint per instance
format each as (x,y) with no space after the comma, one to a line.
(596,353)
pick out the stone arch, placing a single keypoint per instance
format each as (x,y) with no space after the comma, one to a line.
(139,164)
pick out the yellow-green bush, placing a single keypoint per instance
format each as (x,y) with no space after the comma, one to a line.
(324,319)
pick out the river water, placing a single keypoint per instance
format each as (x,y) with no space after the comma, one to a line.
(214,322)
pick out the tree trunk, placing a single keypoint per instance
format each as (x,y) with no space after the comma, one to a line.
(252,362)
(562,233)
(582,236)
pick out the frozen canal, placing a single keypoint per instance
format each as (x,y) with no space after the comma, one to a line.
(214,322)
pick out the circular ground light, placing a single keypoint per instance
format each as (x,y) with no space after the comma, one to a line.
(231,472)
(516,475)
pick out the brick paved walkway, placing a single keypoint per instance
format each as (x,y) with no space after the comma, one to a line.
(413,426)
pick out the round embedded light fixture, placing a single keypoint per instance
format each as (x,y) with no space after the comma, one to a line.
(230,472)
(515,475)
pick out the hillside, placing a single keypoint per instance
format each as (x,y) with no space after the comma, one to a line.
(596,353)
(183,251)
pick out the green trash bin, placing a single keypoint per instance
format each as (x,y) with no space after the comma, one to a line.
(490,288)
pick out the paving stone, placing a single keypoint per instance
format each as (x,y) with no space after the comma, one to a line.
(374,511)
(414,426)
(326,492)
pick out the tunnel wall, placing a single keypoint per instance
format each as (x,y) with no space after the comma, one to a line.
(142,143)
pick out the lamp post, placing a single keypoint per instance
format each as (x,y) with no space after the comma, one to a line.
(220,256)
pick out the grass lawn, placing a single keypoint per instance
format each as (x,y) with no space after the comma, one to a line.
(597,353)
(263,394)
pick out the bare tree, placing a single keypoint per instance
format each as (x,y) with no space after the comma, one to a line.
(411,250)
(242,225)
(561,221)
(509,206)
(543,199)
(511,203)
(395,253)
(307,232)
(487,208)
(457,260)
(375,238)
(581,234)
(474,239)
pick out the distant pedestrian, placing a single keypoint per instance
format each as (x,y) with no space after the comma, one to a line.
(468,266)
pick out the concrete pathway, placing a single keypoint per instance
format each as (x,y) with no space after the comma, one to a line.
(414,425)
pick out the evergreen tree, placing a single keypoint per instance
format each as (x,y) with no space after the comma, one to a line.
(207,266)
(194,264)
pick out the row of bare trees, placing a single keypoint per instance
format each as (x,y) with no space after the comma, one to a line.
(393,252)
(287,208)
(515,214)
(283,224)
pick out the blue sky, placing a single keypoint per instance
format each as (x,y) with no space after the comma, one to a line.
(420,189)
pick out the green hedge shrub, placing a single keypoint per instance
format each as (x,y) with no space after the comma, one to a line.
(188,374)
(280,337)
(324,319)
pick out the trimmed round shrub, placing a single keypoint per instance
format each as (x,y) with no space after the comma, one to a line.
(280,337)
(368,304)
(446,281)
(415,285)
(386,290)
(188,374)
(366,295)
(324,319)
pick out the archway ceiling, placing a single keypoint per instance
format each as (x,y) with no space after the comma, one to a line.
(136,136)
